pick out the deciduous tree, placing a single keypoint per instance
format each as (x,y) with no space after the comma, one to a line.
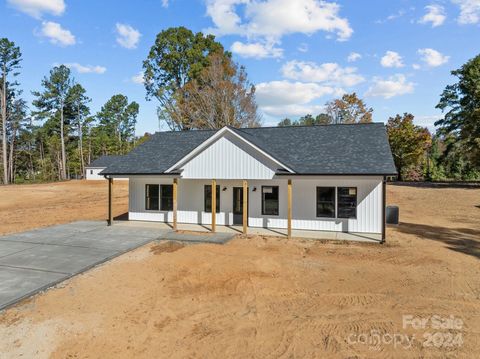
(220,95)
(408,142)
(177,57)
(348,109)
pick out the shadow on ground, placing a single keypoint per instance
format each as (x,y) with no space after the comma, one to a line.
(463,240)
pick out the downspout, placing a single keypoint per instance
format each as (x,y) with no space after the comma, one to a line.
(384,208)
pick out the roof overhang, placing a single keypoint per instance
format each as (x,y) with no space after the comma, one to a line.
(214,138)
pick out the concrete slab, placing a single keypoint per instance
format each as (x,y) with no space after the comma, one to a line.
(61,259)
(35,260)
(18,283)
(9,247)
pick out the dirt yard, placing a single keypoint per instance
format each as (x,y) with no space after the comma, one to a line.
(259,297)
(31,206)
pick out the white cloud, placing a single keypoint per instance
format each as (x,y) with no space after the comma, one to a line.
(86,69)
(416,66)
(165,3)
(391,17)
(329,73)
(256,50)
(391,59)
(435,15)
(432,57)
(354,56)
(395,85)
(57,34)
(138,78)
(268,21)
(292,110)
(37,8)
(286,98)
(127,36)
(469,11)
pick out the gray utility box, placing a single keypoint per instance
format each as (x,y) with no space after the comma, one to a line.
(392,214)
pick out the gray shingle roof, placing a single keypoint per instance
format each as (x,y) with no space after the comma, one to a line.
(360,149)
(103,161)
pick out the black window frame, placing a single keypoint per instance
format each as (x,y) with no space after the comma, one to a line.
(278,202)
(339,202)
(333,201)
(162,197)
(147,202)
(208,188)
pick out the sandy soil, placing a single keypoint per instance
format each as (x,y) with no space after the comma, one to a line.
(271,297)
(23,207)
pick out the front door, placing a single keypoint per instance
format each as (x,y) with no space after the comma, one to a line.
(238,205)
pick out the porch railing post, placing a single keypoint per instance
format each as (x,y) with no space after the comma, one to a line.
(214,205)
(245,206)
(110,189)
(175,191)
(289,220)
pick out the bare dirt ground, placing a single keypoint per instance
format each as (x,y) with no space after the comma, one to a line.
(24,207)
(265,297)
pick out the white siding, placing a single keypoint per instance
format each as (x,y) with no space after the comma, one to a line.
(93,173)
(191,202)
(229,158)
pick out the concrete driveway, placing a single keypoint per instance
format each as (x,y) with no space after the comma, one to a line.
(38,259)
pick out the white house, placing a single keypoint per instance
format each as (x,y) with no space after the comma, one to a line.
(92,171)
(323,178)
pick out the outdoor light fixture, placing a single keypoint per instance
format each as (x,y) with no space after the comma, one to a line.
(254,189)
(224,189)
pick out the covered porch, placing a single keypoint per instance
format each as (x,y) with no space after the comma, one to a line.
(275,232)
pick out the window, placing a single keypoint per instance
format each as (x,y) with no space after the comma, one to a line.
(270,200)
(347,202)
(326,202)
(151,197)
(208,198)
(166,197)
(91,172)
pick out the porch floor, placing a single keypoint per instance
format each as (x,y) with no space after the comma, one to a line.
(279,232)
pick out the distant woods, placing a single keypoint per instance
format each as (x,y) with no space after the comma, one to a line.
(197,85)
(58,135)
(452,153)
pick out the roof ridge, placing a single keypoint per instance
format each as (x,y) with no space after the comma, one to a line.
(264,127)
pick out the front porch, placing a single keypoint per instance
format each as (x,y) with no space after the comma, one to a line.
(275,232)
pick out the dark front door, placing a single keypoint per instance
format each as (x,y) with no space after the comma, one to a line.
(238,205)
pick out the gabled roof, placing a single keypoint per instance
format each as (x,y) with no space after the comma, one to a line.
(103,161)
(360,149)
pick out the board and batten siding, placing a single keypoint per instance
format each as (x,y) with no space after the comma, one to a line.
(191,202)
(229,158)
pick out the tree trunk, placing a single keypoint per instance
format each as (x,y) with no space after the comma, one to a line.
(4,126)
(63,171)
(12,147)
(80,143)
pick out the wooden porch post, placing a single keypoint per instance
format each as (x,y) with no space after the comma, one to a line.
(384,205)
(110,188)
(175,183)
(214,205)
(245,206)
(289,220)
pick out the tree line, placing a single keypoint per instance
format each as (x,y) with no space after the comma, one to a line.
(451,153)
(194,80)
(197,85)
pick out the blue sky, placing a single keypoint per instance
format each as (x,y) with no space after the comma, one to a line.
(397,55)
